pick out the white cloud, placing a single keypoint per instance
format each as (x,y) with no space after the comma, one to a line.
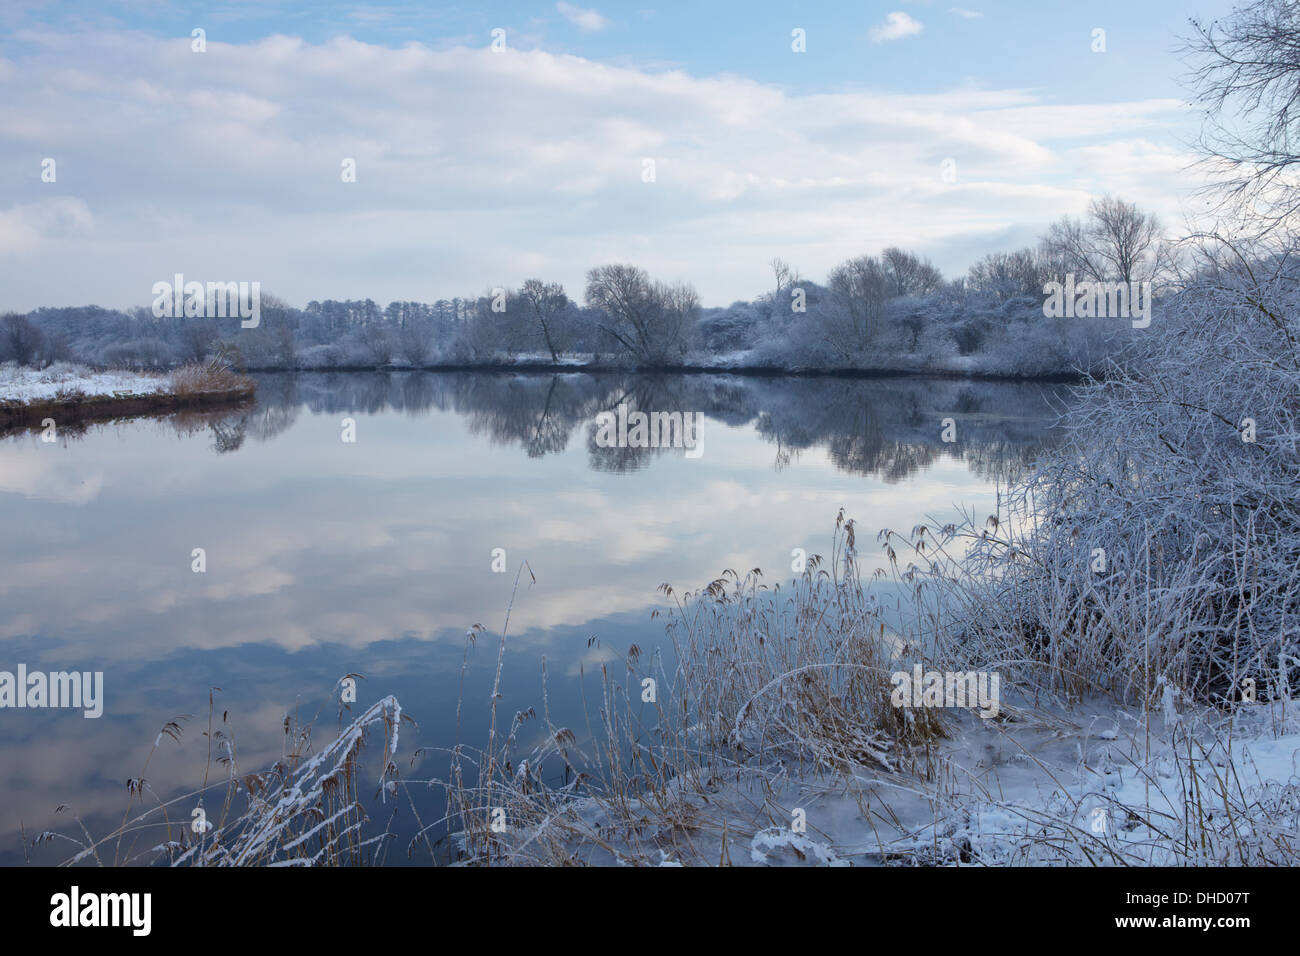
(965,14)
(477,169)
(31,227)
(588,21)
(897,25)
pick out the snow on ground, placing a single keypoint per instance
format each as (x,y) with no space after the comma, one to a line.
(1093,785)
(1113,788)
(20,384)
(544,358)
(960,363)
(1102,786)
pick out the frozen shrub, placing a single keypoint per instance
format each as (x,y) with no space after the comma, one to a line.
(1161,541)
(321,356)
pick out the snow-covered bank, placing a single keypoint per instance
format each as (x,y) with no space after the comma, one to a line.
(67,393)
(1090,786)
(782,745)
(19,384)
(774,741)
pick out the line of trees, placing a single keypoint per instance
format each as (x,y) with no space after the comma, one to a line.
(895,309)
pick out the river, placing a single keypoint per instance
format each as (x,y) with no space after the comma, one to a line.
(259,552)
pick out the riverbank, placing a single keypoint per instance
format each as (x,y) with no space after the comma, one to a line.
(71,394)
(800,757)
(784,742)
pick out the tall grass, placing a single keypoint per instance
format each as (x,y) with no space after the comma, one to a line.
(214,375)
(761,682)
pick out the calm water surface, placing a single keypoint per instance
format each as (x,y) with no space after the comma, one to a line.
(326,558)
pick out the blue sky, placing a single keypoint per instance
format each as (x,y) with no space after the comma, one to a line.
(478,169)
(1008,44)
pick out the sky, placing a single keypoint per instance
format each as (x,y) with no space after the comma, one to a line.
(691,139)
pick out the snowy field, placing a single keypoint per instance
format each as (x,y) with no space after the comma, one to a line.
(25,385)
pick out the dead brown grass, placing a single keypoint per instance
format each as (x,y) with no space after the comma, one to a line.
(202,378)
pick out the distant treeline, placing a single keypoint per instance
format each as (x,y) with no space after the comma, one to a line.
(892,311)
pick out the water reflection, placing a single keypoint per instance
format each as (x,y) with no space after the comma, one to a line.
(883,428)
(325,558)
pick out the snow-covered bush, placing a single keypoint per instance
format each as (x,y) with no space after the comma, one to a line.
(934,343)
(321,356)
(1027,344)
(1161,541)
(730,329)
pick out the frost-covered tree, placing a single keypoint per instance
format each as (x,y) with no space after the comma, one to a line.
(547,308)
(20,340)
(651,321)
(495,327)
(784,274)
(852,314)
(415,339)
(1246,75)
(1002,275)
(909,274)
(380,346)
(1116,242)
(196,337)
